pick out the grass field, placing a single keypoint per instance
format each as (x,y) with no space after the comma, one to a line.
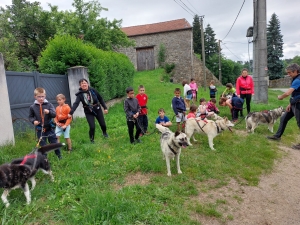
(113,182)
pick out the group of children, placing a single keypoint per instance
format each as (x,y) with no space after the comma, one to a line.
(43,112)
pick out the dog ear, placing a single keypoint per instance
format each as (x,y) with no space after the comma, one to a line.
(177,133)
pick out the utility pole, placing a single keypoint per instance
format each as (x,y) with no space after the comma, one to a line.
(220,72)
(203,52)
(260,75)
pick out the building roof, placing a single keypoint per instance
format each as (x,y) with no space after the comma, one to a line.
(173,25)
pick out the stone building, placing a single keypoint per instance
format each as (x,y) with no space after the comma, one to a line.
(177,37)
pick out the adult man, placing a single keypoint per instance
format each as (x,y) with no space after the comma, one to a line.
(293,109)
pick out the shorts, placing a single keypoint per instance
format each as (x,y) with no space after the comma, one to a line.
(180,118)
(59,131)
(189,97)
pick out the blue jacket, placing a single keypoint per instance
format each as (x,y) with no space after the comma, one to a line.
(178,105)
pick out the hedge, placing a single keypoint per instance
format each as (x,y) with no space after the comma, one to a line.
(109,72)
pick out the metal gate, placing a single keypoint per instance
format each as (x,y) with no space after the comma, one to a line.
(145,59)
(20,87)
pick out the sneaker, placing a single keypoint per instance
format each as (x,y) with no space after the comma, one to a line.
(274,138)
(141,134)
(138,141)
(92,142)
(105,135)
(296,147)
(59,157)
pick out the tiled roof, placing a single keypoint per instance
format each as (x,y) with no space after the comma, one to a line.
(180,24)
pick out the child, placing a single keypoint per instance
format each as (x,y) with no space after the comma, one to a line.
(62,121)
(192,113)
(235,105)
(132,109)
(41,114)
(143,119)
(212,89)
(229,91)
(211,106)
(162,119)
(187,94)
(194,89)
(202,110)
(179,109)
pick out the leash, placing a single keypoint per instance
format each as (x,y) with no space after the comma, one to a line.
(200,126)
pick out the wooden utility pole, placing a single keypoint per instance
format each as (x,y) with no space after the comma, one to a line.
(203,53)
(220,72)
(260,75)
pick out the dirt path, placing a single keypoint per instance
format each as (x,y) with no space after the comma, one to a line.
(275,201)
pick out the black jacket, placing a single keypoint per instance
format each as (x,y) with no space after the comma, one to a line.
(97,99)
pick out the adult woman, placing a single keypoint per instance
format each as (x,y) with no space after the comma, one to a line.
(245,88)
(91,101)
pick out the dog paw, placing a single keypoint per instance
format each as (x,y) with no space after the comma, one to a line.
(7,205)
(169,174)
(179,172)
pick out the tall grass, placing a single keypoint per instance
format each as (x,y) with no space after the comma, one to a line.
(114,182)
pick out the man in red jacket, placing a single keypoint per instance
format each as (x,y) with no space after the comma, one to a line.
(245,88)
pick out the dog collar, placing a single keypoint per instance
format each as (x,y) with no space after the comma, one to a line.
(175,153)
(32,156)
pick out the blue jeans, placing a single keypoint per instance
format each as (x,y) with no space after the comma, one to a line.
(143,122)
(51,136)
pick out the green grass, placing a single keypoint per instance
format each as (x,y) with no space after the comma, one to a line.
(97,184)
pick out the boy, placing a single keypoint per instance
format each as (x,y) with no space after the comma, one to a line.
(179,109)
(41,114)
(162,119)
(143,100)
(62,121)
(132,109)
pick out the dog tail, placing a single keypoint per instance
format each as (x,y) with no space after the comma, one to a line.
(50,147)
(161,128)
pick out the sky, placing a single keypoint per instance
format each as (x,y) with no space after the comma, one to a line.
(220,14)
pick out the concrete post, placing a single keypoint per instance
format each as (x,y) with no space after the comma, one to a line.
(74,75)
(260,75)
(6,131)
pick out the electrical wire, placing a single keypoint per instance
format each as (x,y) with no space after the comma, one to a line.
(231,52)
(193,7)
(185,9)
(234,20)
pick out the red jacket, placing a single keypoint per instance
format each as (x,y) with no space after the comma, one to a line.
(244,85)
(143,100)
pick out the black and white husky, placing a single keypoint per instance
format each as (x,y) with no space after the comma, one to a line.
(19,171)
(171,144)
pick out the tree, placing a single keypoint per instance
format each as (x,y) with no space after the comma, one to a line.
(274,48)
(197,35)
(210,42)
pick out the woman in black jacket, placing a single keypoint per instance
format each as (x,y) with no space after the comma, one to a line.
(92,102)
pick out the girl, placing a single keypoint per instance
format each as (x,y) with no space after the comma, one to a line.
(202,110)
(194,89)
(192,113)
(212,89)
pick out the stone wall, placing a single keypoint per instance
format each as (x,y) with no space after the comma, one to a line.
(280,83)
(179,50)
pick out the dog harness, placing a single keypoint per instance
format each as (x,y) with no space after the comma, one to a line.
(200,126)
(175,153)
(32,156)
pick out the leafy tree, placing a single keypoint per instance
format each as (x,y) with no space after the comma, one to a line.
(274,48)
(31,27)
(161,55)
(197,35)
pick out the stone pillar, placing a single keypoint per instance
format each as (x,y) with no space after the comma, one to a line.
(74,75)
(6,131)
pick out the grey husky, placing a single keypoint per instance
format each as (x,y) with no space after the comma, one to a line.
(268,117)
(171,144)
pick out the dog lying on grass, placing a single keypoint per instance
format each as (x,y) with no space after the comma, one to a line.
(19,171)
(171,144)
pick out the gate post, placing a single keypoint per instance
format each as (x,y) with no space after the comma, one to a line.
(74,75)
(6,131)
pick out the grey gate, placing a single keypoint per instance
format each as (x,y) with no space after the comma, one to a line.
(20,87)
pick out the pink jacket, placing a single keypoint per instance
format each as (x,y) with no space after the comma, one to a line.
(244,85)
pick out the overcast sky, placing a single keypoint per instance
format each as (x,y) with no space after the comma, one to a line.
(220,14)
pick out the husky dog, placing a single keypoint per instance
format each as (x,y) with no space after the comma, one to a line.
(209,127)
(265,117)
(171,144)
(16,174)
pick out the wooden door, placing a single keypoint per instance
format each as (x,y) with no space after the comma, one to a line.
(145,59)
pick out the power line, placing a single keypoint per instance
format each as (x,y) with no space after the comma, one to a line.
(234,20)
(231,52)
(193,7)
(185,9)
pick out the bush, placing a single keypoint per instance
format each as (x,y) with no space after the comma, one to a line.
(109,72)
(169,67)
